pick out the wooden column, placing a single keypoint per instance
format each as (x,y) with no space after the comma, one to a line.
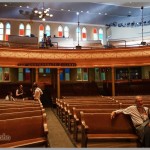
(58,83)
(113,81)
(36,75)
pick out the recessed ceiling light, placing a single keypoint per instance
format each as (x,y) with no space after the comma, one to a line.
(69,10)
(20,6)
(62,9)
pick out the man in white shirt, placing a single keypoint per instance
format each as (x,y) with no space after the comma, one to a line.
(37,93)
(140,118)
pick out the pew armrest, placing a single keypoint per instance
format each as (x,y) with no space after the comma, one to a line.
(45,128)
(76,118)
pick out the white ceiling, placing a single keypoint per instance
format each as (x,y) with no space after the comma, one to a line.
(100,13)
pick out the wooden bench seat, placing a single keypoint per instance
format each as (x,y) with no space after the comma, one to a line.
(77,118)
(19,101)
(11,110)
(122,105)
(97,99)
(24,132)
(99,126)
(21,114)
(18,106)
(69,110)
(65,106)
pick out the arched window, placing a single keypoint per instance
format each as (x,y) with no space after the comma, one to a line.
(78,34)
(21,29)
(47,30)
(101,35)
(95,35)
(60,31)
(7,32)
(1,31)
(84,35)
(41,32)
(66,31)
(28,29)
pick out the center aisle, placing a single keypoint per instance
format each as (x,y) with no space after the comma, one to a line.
(57,135)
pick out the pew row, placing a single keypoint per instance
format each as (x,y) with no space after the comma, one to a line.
(21,114)
(77,118)
(69,110)
(12,110)
(24,132)
(100,127)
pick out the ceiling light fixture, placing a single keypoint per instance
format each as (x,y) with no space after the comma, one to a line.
(43,13)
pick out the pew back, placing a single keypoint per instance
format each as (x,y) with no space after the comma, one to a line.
(23,131)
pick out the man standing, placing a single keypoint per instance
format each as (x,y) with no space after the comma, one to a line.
(37,92)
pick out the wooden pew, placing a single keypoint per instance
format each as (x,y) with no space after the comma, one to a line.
(69,110)
(18,106)
(21,114)
(77,118)
(20,101)
(12,110)
(31,131)
(60,102)
(122,106)
(99,126)
(83,98)
(64,106)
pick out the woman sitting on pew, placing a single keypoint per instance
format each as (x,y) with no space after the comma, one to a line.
(140,117)
(49,42)
(9,97)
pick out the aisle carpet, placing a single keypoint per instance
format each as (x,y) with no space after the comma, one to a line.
(57,136)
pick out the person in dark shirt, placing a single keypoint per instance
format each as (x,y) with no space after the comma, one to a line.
(49,42)
(19,92)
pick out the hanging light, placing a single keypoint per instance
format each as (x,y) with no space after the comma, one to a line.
(43,14)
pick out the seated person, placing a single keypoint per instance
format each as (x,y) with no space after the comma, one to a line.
(44,41)
(49,42)
(140,117)
(9,97)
